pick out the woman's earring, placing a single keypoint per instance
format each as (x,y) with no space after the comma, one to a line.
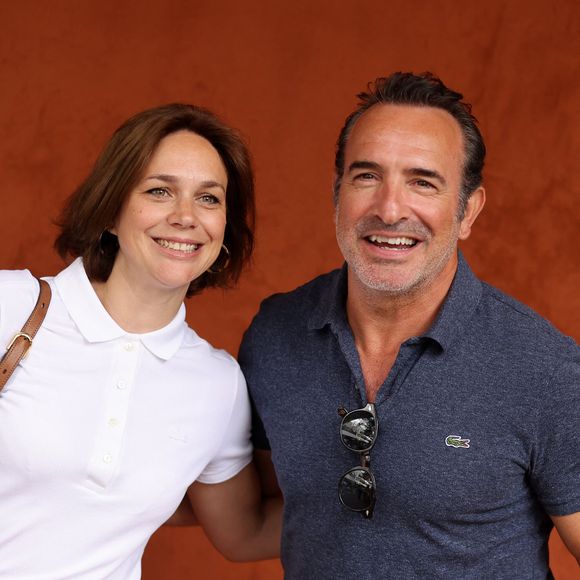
(107,243)
(224,265)
(100,243)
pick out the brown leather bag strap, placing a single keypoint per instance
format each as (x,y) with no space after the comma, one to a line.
(22,341)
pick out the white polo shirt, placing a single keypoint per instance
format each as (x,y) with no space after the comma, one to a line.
(102,431)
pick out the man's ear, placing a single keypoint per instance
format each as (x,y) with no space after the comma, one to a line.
(474,206)
(335,188)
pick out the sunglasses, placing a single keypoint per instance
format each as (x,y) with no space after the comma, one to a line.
(357,487)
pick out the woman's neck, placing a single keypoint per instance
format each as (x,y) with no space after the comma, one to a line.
(136,309)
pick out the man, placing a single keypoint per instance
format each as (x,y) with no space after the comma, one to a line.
(445,413)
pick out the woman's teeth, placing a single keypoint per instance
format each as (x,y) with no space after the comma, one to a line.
(180,246)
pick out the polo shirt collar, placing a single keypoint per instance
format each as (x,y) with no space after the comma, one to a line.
(96,324)
(458,307)
(331,307)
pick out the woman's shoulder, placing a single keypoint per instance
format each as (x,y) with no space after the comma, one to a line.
(18,286)
(17,277)
(209,365)
(195,345)
(18,295)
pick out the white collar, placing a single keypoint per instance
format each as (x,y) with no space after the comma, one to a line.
(96,324)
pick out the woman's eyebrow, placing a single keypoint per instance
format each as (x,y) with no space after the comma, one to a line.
(173,179)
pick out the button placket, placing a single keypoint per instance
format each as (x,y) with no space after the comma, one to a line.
(105,462)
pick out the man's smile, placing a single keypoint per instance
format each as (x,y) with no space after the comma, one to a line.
(395,243)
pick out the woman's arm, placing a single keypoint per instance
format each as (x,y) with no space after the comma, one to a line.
(183,515)
(569,529)
(240,522)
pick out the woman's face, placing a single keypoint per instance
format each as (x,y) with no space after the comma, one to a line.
(171,225)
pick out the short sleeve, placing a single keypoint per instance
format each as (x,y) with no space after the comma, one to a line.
(235,450)
(555,473)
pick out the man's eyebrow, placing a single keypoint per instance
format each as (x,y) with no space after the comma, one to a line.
(422,172)
(411,171)
(365,165)
(173,179)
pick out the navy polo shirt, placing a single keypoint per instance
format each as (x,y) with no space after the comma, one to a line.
(478,438)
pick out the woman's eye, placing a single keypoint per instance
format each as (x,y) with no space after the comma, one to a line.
(158,191)
(209,198)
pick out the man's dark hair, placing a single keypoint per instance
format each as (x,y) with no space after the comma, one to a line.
(423,90)
(94,206)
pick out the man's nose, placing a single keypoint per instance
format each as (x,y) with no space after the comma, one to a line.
(391,202)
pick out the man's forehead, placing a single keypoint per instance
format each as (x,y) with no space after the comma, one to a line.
(387,115)
(419,128)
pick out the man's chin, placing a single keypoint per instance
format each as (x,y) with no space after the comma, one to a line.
(388,283)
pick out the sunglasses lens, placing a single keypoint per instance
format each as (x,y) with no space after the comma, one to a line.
(358,430)
(356,489)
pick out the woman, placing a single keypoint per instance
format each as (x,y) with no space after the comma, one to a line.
(120,408)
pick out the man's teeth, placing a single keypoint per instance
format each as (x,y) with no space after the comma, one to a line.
(392,241)
(180,246)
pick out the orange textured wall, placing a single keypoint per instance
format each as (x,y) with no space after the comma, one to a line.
(286,75)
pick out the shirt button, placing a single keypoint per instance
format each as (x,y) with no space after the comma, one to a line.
(121,384)
(129,346)
(113,422)
(107,458)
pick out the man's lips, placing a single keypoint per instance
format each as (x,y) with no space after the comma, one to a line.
(401,236)
(392,242)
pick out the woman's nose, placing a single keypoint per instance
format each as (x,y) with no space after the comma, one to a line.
(183,214)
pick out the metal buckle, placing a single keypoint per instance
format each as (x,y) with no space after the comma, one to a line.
(16,337)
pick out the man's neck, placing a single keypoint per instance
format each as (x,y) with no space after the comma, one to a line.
(382,321)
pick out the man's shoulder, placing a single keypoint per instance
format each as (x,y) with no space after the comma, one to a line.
(296,305)
(523,325)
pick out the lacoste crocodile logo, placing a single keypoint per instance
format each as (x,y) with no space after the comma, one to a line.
(456,441)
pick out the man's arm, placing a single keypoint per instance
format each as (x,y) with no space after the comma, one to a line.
(569,529)
(238,519)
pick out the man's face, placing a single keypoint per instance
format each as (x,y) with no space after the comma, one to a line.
(397,211)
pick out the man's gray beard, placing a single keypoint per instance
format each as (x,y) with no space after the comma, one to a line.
(364,270)
(366,273)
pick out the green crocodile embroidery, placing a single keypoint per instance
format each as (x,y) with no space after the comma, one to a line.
(456,441)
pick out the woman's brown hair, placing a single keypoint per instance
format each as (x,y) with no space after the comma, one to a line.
(94,206)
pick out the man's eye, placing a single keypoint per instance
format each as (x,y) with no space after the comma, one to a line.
(425,184)
(364,177)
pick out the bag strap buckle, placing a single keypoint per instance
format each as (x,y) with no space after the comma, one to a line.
(16,337)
